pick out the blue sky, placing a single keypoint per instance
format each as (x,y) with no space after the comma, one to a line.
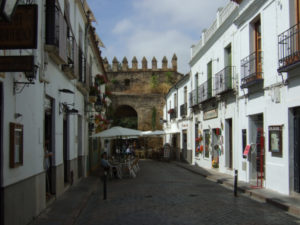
(152,27)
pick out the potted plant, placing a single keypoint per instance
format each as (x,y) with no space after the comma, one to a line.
(171,111)
(93,93)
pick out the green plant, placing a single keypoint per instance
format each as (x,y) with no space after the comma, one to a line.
(169,77)
(94,91)
(154,81)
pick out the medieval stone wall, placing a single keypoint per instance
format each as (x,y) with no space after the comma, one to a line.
(141,88)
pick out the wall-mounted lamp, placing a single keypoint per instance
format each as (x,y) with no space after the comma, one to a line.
(161,121)
(30,76)
(64,107)
(217,59)
(98,104)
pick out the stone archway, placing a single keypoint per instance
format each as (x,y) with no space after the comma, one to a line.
(125,116)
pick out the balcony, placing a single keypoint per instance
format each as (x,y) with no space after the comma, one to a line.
(193,98)
(289,49)
(173,113)
(183,110)
(56,33)
(70,67)
(205,91)
(223,80)
(251,70)
(81,66)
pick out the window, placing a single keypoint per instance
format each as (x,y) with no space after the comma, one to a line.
(175,101)
(185,94)
(16,145)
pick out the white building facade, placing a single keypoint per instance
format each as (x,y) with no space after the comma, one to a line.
(178,121)
(45,108)
(244,78)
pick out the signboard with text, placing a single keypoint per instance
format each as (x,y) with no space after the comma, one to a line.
(210,114)
(21,31)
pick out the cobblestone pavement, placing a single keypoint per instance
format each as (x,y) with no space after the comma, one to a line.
(163,193)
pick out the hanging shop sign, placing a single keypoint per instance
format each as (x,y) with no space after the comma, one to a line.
(21,31)
(247,150)
(210,114)
(16,63)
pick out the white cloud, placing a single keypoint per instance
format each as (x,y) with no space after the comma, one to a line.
(191,13)
(122,26)
(151,43)
(159,28)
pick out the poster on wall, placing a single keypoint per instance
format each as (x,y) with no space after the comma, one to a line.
(275,140)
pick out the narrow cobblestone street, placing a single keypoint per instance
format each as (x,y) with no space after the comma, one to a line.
(163,193)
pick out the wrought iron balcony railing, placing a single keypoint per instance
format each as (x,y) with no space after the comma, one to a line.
(251,69)
(289,49)
(223,80)
(205,91)
(193,98)
(183,110)
(82,66)
(56,33)
(173,113)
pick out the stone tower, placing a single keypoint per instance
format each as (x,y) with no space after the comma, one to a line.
(174,62)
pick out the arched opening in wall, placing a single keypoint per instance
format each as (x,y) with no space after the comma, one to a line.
(125,116)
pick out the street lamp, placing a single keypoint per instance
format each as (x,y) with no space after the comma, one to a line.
(98,104)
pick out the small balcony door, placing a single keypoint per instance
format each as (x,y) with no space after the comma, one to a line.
(258,49)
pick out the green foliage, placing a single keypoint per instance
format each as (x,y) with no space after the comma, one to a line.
(153,118)
(169,77)
(154,81)
(129,122)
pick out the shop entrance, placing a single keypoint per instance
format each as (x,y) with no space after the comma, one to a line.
(297,150)
(257,156)
(175,145)
(216,147)
(228,144)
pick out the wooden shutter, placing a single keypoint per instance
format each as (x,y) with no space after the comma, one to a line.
(63,38)
(76,59)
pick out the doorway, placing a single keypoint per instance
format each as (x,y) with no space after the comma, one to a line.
(184,145)
(228,144)
(297,150)
(65,148)
(80,153)
(48,142)
(1,158)
(257,156)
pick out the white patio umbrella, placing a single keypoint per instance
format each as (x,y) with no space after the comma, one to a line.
(153,133)
(118,132)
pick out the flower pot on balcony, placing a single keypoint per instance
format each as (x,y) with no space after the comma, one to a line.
(92,99)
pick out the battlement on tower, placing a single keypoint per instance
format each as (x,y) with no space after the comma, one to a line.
(123,66)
